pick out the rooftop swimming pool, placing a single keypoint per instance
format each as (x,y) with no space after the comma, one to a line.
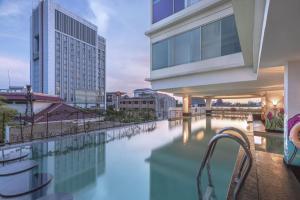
(155,161)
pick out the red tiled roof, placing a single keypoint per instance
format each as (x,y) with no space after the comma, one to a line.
(61,111)
(19,96)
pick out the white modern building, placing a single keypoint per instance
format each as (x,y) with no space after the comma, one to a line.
(67,56)
(228,49)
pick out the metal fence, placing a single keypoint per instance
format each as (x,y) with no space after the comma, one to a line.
(53,124)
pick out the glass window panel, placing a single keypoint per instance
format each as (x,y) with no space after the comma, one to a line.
(211,40)
(162,9)
(160,55)
(191,2)
(179,5)
(230,39)
(195,45)
(182,48)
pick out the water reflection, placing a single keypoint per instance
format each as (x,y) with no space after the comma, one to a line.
(174,166)
(75,162)
(186,130)
(269,142)
(111,164)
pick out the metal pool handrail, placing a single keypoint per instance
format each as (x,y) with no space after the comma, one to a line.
(210,150)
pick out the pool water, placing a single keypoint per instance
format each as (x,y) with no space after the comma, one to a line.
(152,162)
(269,142)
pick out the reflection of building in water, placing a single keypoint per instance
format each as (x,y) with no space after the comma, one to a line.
(80,166)
(174,166)
(76,162)
(178,122)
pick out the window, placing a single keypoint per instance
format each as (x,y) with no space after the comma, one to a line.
(160,54)
(195,45)
(165,8)
(215,39)
(191,2)
(162,9)
(211,40)
(229,37)
(187,47)
(36,44)
(182,48)
(179,5)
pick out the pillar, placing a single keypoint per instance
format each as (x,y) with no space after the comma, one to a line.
(208,106)
(187,106)
(292,110)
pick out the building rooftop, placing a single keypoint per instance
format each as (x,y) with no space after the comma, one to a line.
(21,96)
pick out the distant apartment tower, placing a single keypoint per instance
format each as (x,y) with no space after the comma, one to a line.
(67,56)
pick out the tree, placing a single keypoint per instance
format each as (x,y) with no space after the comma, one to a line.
(6,115)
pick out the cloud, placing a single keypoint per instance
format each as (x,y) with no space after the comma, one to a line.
(18,70)
(10,8)
(100,15)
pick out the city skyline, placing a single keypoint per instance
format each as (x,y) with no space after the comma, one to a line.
(123,64)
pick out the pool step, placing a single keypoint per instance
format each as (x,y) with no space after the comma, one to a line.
(18,167)
(13,157)
(58,196)
(21,184)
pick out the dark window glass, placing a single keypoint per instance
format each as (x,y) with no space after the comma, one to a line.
(211,40)
(179,5)
(229,36)
(162,9)
(182,48)
(160,54)
(195,45)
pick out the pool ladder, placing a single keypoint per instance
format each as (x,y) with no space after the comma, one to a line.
(243,168)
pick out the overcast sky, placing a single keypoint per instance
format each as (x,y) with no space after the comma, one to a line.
(121,22)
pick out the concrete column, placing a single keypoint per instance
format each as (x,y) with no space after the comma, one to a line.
(292,109)
(187,106)
(208,106)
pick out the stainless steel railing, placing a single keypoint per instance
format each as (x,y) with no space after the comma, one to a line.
(243,168)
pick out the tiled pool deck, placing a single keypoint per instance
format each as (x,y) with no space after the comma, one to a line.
(270,178)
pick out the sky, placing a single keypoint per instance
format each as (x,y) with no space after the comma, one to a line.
(122,22)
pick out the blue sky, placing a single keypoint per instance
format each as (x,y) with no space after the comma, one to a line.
(121,22)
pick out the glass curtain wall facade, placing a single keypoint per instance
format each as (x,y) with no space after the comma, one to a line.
(215,39)
(166,8)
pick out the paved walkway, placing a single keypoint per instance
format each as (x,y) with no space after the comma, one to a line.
(270,178)
(275,180)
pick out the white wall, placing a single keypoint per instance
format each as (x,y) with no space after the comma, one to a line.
(39,106)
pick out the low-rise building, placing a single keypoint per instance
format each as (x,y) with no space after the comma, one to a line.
(20,101)
(137,103)
(161,102)
(113,99)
